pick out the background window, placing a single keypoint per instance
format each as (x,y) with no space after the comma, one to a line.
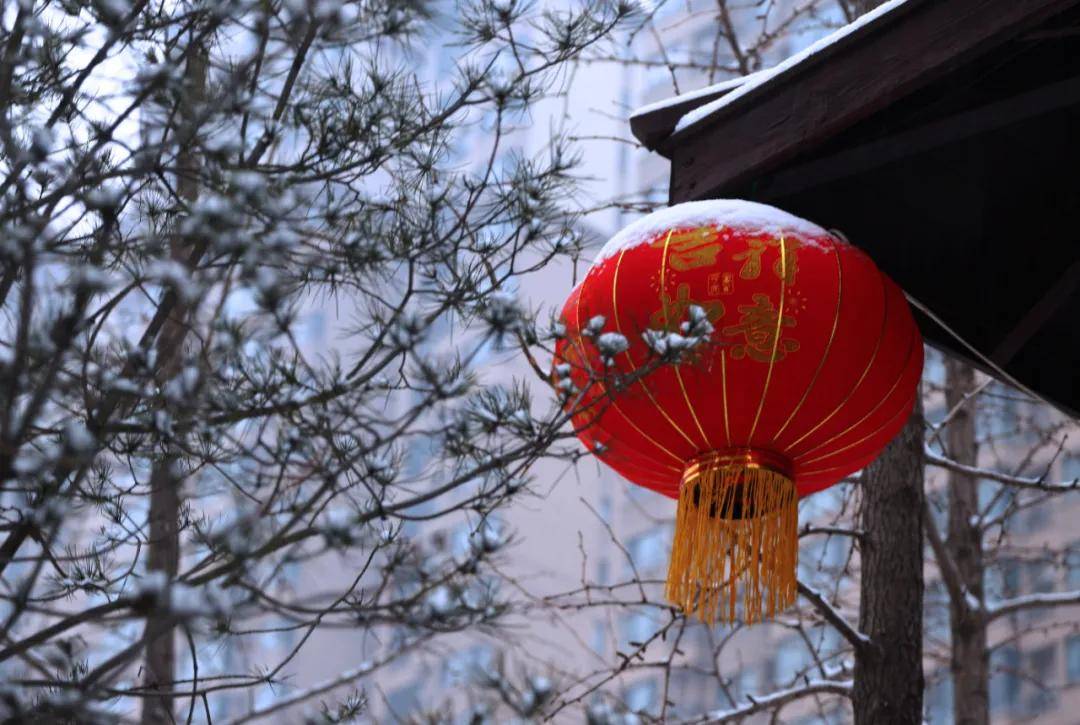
(1072,659)
(649,550)
(603,571)
(642,696)
(1005,679)
(748,681)
(638,627)
(939,700)
(1041,576)
(994,498)
(599,637)
(404,700)
(791,658)
(1070,467)
(1072,566)
(1041,693)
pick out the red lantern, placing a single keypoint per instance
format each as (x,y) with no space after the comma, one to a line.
(736,358)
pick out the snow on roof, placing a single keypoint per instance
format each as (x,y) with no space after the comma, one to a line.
(762,77)
(720,87)
(730,212)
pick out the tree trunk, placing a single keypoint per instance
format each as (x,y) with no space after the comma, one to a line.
(888,672)
(970,657)
(163,554)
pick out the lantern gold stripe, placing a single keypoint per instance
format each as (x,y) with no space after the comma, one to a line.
(865,372)
(776,341)
(596,416)
(574,341)
(667,322)
(881,400)
(828,345)
(644,435)
(866,437)
(723,398)
(690,407)
(629,359)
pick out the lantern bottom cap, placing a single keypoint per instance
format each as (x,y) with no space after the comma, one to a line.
(736,532)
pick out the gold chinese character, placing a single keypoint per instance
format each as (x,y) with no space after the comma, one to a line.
(690,248)
(751,268)
(673,311)
(758,326)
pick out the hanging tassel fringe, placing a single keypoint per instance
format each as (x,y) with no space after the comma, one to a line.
(736,528)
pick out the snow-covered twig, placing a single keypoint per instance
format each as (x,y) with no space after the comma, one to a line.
(1031,601)
(1039,483)
(833,616)
(776,700)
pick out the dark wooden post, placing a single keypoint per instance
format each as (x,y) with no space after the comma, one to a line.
(888,673)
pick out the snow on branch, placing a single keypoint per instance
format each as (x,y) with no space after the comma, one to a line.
(1031,601)
(833,616)
(776,700)
(1039,483)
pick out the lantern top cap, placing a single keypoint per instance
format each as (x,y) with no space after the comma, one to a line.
(720,212)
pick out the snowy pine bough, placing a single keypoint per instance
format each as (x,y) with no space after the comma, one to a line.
(256,257)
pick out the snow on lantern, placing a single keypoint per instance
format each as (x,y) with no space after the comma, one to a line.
(736,358)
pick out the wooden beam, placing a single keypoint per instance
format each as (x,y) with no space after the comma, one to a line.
(798,110)
(654,127)
(1037,316)
(794,179)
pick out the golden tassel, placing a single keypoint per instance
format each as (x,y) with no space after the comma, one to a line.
(736,528)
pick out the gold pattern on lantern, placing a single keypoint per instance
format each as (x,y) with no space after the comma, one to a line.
(720,283)
(759,326)
(690,248)
(751,259)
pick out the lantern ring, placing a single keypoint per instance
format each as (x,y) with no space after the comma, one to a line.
(738,457)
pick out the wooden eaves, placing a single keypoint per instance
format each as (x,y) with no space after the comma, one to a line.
(943,138)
